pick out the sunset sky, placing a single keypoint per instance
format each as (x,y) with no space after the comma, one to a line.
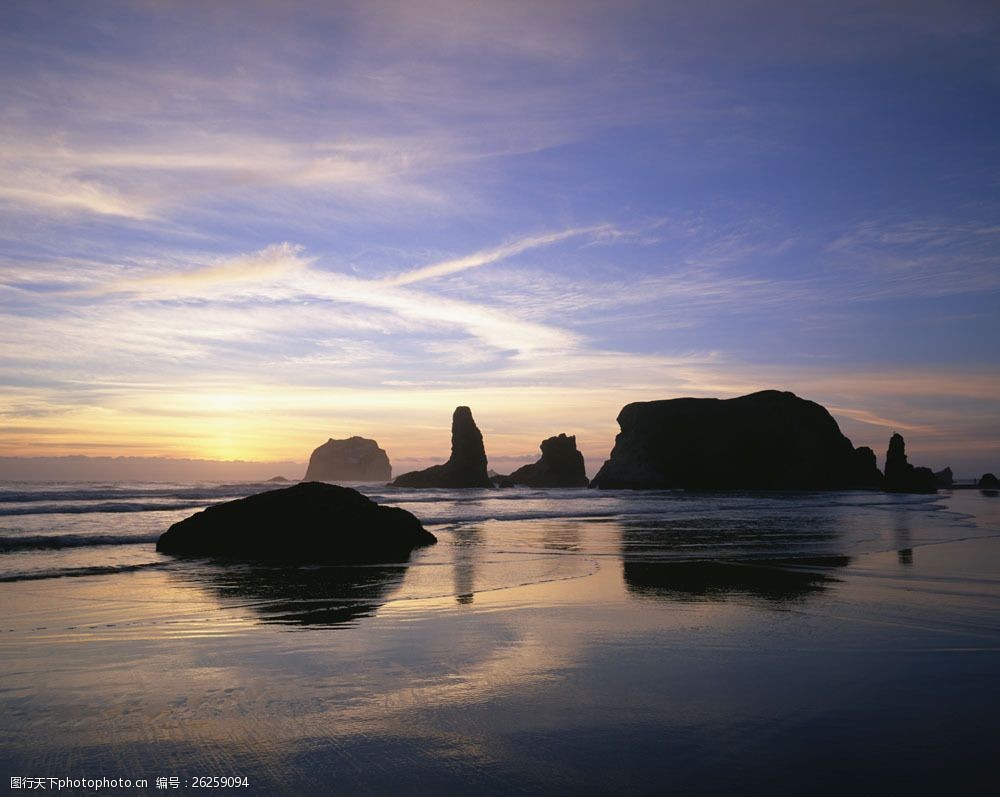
(233,230)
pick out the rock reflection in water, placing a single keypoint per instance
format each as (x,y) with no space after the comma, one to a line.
(773,581)
(902,537)
(705,561)
(306,595)
(466,542)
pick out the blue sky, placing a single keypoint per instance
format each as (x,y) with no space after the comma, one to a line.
(232,230)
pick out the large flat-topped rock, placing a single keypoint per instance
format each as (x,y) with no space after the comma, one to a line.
(764,441)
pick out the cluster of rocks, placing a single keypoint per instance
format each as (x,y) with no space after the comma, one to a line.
(770,440)
(331,524)
(561,464)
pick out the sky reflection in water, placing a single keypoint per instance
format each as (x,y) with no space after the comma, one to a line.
(536,656)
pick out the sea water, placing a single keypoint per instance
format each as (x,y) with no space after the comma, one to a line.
(552,641)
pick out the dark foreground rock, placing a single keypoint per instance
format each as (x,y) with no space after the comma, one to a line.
(467,465)
(561,465)
(901,476)
(764,441)
(354,459)
(310,522)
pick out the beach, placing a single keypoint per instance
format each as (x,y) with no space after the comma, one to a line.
(603,652)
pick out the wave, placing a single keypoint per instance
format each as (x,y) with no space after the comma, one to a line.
(51,542)
(597,514)
(101,507)
(76,572)
(117,492)
(466,495)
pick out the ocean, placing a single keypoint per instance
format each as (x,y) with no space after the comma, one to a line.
(553,641)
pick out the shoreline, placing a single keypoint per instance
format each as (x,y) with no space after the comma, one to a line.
(535,656)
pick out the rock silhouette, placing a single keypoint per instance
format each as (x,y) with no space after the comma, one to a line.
(764,441)
(944,478)
(900,475)
(989,482)
(353,459)
(561,465)
(310,522)
(467,465)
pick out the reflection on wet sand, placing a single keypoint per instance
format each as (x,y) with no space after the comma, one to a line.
(774,581)
(660,562)
(902,536)
(466,542)
(734,535)
(308,596)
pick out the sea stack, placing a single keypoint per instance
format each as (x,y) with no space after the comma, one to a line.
(467,465)
(311,523)
(988,482)
(900,475)
(944,478)
(561,465)
(771,440)
(354,459)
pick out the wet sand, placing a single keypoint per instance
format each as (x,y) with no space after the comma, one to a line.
(500,667)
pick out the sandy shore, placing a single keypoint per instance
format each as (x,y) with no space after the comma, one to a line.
(500,670)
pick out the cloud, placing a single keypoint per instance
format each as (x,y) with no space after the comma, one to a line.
(489,256)
(274,299)
(499,329)
(275,262)
(870,418)
(143,152)
(884,258)
(161,172)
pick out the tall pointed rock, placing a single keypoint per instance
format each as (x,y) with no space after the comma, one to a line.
(467,465)
(900,475)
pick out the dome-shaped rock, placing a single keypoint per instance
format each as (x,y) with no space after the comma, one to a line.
(354,459)
(310,522)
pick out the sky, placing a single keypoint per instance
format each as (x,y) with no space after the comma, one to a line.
(234,230)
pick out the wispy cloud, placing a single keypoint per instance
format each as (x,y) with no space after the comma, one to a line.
(152,161)
(494,255)
(870,418)
(147,179)
(275,262)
